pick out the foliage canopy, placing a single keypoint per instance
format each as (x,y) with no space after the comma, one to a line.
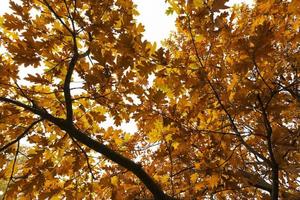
(217,108)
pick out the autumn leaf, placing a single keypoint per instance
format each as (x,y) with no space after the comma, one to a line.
(212,181)
(115,181)
(90,109)
(194,178)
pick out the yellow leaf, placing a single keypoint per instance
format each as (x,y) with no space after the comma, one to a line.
(258,21)
(140,28)
(118,141)
(194,66)
(213,181)
(165,178)
(52,137)
(199,186)
(114,180)
(11,34)
(197,165)
(229,60)
(56,197)
(266,5)
(231,96)
(199,38)
(156,133)
(174,6)
(9,169)
(198,3)
(234,81)
(48,154)
(56,25)
(1,20)
(156,177)
(154,136)
(194,178)
(175,145)
(169,137)
(127,137)
(31,151)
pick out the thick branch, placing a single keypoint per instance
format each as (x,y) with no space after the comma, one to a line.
(35,110)
(259,182)
(117,158)
(67,92)
(75,57)
(98,147)
(269,130)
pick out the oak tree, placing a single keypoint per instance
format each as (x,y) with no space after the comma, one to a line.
(216,109)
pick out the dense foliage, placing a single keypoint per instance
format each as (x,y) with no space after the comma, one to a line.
(217,108)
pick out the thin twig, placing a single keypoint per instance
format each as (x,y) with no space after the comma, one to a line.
(25,95)
(86,157)
(57,16)
(12,171)
(234,127)
(20,136)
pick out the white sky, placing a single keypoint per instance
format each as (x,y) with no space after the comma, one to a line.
(152,15)
(3,6)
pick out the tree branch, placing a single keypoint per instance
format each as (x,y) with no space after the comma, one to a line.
(25,95)
(20,136)
(35,110)
(117,158)
(98,147)
(86,157)
(259,182)
(275,167)
(12,171)
(258,72)
(235,129)
(67,92)
(57,16)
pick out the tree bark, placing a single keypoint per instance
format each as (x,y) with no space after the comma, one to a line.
(275,183)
